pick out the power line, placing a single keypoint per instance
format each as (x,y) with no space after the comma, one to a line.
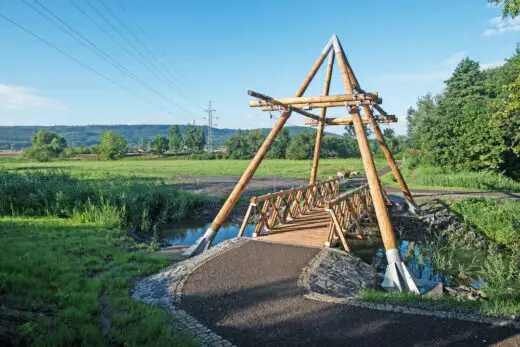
(136,24)
(96,50)
(156,71)
(81,63)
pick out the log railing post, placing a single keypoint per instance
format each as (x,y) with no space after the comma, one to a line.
(321,124)
(204,242)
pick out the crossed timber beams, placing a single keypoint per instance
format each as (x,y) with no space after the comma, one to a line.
(358,99)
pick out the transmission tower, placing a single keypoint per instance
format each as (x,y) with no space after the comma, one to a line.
(210,127)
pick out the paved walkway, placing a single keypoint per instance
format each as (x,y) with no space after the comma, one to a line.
(250,296)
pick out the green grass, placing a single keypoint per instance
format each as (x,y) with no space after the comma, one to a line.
(497,219)
(111,202)
(170,169)
(67,284)
(438,177)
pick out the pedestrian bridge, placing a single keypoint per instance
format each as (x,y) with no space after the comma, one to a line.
(318,215)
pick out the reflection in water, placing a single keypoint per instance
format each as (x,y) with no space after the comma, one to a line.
(187,233)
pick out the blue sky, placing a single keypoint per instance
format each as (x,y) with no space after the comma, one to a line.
(217,50)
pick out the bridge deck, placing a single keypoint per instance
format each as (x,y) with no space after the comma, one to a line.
(311,229)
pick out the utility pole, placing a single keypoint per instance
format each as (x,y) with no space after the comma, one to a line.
(210,126)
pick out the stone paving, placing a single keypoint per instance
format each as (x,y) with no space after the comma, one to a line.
(164,290)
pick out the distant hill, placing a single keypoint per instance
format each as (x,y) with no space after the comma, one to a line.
(87,135)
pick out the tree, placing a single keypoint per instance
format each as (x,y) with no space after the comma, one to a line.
(237,146)
(159,144)
(255,138)
(511,7)
(194,138)
(279,147)
(391,140)
(112,146)
(302,146)
(46,145)
(333,147)
(143,143)
(175,138)
(505,122)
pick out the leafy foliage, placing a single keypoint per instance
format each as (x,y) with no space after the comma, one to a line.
(45,146)
(112,146)
(278,149)
(194,138)
(302,146)
(473,124)
(511,7)
(175,138)
(159,144)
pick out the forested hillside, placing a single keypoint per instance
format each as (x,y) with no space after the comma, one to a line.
(88,135)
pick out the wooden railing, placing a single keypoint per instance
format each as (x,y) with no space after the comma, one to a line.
(347,212)
(274,209)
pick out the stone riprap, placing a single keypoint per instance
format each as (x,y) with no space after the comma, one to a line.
(338,274)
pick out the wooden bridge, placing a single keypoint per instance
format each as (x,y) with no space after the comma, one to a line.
(311,215)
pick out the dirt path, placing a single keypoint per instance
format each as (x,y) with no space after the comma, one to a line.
(249,295)
(221,186)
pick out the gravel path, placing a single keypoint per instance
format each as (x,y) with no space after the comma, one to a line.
(249,295)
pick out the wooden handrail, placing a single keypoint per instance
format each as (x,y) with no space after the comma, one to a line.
(347,212)
(271,210)
(258,199)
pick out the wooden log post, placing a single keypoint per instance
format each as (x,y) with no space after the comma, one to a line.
(205,241)
(395,264)
(321,123)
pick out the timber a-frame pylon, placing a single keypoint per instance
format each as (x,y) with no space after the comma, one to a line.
(360,105)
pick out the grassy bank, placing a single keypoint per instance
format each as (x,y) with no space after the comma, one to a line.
(438,177)
(64,283)
(110,203)
(497,219)
(170,168)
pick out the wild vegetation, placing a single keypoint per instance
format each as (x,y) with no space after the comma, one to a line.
(64,283)
(111,203)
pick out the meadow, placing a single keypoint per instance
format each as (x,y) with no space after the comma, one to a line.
(171,168)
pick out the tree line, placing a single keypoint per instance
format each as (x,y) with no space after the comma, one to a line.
(48,145)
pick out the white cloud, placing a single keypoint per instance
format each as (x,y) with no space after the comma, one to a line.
(501,26)
(23,98)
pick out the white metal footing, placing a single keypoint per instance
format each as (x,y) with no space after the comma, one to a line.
(201,244)
(397,276)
